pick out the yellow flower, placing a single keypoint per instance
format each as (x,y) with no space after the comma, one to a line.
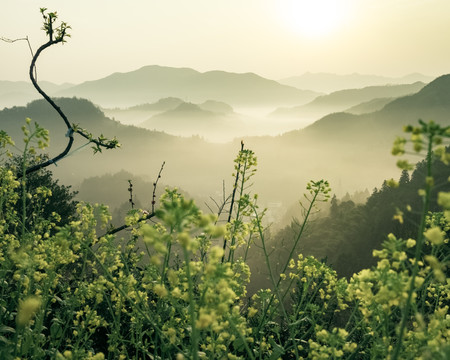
(410,243)
(160,290)
(444,199)
(252,312)
(204,320)
(435,235)
(27,310)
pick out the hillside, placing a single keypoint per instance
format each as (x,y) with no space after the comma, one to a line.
(137,114)
(327,82)
(14,93)
(152,83)
(343,99)
(351,151)
(369,106)
(191,119)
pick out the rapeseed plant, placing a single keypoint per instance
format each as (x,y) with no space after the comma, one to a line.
(177,288)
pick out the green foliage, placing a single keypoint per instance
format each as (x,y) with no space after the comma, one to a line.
(164,292)
(45,196)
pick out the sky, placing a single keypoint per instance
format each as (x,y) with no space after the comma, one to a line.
(273,38)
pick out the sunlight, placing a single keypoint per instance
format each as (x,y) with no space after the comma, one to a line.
(313,19)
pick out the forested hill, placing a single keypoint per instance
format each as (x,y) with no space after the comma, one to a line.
(188,160)
(351,151)
(430,103)
(347,234)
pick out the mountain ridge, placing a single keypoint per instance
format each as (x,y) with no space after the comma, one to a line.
(329,82)
(152,82)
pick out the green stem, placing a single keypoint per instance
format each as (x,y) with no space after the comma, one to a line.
(299,235)
(24,190)
(238,213)
(420,242)
(194,339)
(232,202)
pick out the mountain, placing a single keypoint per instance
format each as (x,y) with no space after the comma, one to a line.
(217,107)
(137,114)
(370,130)
(161,105)
(152,83)
(351,151)
(326,82)
(343,99)
(188,119)
(142,151)
(13,93)
(369,106)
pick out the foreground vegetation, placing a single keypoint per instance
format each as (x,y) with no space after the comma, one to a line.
(176,287)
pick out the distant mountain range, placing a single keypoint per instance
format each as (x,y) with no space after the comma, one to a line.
(327,82)
(352,151)
(343,99)
(152,83)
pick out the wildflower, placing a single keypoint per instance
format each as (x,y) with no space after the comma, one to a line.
(204,320)
(435,235)
(444,199)
(252,312)
(160,290)
(216,253)
(410,243)
(27,310)
(185,240)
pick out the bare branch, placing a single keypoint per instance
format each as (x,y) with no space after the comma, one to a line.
(154,186)
(147,216)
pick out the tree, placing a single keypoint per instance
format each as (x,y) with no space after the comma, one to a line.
(60,199)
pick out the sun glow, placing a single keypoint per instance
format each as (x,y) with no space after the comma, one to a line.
(313,18)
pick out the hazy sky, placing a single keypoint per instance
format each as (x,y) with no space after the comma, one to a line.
(273,38)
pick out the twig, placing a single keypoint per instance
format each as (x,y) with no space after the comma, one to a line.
(29,47)
(147,216)
(130,190)
(154,186)
(232,202)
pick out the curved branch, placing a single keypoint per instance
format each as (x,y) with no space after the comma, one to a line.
(56,107)
(61,33)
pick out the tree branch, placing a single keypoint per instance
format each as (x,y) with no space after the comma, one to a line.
(58,36)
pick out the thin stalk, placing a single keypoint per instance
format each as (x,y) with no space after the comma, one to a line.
(137,307)
(302,228)
(420,242)
(232,202)
(247,349)
(24,190)
(194,339)
(238,214)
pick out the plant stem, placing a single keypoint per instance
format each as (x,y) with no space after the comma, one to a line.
(232,201)
(420,241)
(194,339)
